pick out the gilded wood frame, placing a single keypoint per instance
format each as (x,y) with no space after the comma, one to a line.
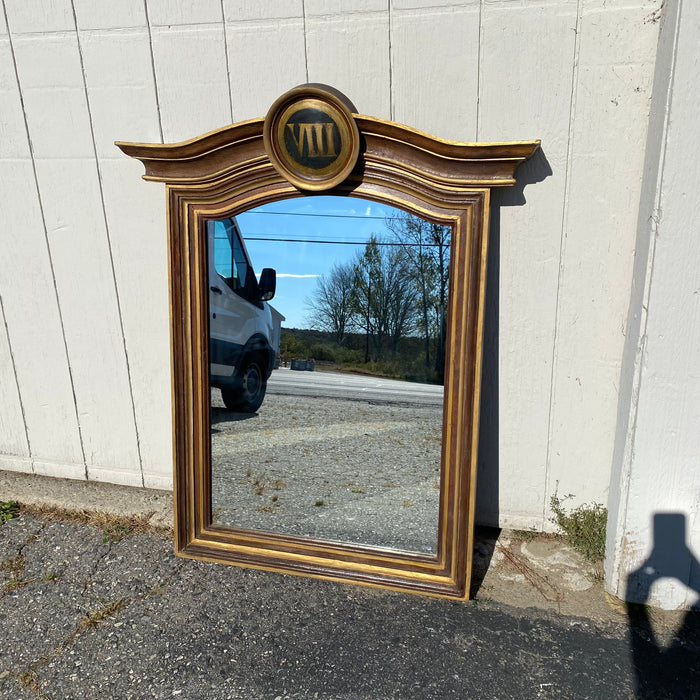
(228,171)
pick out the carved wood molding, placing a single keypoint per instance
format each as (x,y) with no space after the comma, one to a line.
(228,171)
(386,146)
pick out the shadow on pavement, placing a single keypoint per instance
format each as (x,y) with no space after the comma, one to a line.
(223,415)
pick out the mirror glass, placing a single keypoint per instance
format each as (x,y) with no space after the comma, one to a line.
(327,320)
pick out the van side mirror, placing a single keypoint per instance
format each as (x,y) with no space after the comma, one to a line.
(267,284)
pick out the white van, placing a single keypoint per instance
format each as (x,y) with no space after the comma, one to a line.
(244,330)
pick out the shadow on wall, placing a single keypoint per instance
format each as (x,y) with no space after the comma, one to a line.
(673,670)
(487,509)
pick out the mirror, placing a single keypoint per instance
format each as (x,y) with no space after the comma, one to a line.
(326,404)
(325,412)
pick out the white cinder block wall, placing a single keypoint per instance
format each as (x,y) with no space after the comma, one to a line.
(84,347)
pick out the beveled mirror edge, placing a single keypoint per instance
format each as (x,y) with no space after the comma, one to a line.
(406,169)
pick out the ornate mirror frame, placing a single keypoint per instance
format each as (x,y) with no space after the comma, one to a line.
(238,167)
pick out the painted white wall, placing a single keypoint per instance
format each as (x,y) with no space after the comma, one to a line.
(654,526)
(85,386)
(67,239)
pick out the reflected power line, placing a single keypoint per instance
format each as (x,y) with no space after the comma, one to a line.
(315,240)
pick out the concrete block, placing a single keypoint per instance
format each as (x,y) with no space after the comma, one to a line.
(14,463)
(343,7)
(435,71)
(334,43)
(48,61)
(39,16)
(13,134)
(121,89)
(51,81)
(165,13)
(85,284)
(278,51)
(110,15)
(434,4)
(192,79)
(59,470)
(136,218)
(33,322)
(161,482)
(13,437)
(245,10)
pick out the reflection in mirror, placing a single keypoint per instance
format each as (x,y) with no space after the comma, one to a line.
(327,400)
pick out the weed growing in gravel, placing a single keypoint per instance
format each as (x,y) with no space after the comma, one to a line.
(29,680)
(13,565)
(14,568)
(266,509)
(95,617)
(261,483)
(355,487)
(115,530)
(320,502)
(584,527)
(8,510)
(15,584)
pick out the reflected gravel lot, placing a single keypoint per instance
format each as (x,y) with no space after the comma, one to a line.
(347,470)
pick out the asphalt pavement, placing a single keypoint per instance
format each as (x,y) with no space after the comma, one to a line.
(353,386)
(91,611)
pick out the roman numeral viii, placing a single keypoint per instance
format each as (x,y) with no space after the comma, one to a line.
(317,138)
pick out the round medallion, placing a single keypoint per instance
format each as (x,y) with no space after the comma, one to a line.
(311,137)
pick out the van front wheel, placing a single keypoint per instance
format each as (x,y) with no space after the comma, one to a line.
(248,396)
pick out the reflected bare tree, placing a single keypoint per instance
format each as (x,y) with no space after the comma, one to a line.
(384,298)
(395,289)
(331,308)
(427,247)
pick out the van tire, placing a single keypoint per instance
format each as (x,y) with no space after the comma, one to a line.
(250,392)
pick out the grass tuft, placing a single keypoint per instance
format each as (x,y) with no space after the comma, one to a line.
(584,527)
(95,617)
(30,681)
(114,527)
(8,510)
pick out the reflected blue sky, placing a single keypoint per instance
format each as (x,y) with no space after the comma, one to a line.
(303,238)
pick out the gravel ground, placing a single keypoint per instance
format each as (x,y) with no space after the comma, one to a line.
(336,469)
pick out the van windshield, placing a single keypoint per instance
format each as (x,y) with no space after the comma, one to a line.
(230,261)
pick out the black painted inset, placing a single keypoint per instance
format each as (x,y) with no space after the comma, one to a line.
(312,138)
